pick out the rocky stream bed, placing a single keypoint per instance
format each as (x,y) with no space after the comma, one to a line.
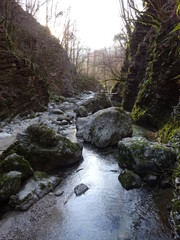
(86,200)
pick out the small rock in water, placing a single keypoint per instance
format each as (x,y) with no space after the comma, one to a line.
(57,111)
(80,189)
(79,170)
(59,193)
(64,122)
(114,171)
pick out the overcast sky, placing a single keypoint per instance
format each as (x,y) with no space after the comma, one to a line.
(97,21)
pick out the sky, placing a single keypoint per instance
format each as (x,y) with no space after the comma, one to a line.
(97,21)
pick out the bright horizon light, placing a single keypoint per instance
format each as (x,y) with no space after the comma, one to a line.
(97,21)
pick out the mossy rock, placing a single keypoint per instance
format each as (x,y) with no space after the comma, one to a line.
(9,184)
(60,152)
(106,127)
(33,190)
(92,105)
(42,135)
(101,101)
(39,175)
(15,162)
(81,111)
(146,158)
(125,157)
(129,180)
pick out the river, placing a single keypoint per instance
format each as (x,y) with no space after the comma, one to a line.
(106,211)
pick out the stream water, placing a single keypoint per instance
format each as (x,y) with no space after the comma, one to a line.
(106,211)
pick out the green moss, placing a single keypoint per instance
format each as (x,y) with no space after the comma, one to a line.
(15,162)
(42,186)
(125,157)
(42,135)
(9,185)
(68,147)
(170,132)
(91,131)
(38,175)
(138,114)
(143,110)
(129,180)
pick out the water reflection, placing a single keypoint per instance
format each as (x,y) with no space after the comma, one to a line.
(106,211)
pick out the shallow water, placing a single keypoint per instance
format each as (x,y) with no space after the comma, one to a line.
(106,211)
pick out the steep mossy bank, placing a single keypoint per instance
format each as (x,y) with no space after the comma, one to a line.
(22,86)
(152,79)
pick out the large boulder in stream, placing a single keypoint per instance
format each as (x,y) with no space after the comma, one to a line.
(150,160)
(98,102)
(106,127)
(44,149)
(80,124)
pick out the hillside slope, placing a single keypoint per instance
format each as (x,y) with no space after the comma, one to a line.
(33,63)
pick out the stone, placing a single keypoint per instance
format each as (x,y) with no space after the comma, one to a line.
(9,184)
(32,191)
(42,135)
(81,111)
(98,102)
(129,180)
(144,157)
(57,111)
(80,124)
(106,127)
(62,118)
(14,162)
(44,149)
(59,193)
(101,101)
(64,122)
(80,189)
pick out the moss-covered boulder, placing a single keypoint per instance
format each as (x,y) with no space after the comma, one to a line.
(129,180)
(81,111)
(42,135)
(14,162)
(44,149)
(101,101)
(106,127)
(98,102)
(34,189)
(9,184)
(146,158)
